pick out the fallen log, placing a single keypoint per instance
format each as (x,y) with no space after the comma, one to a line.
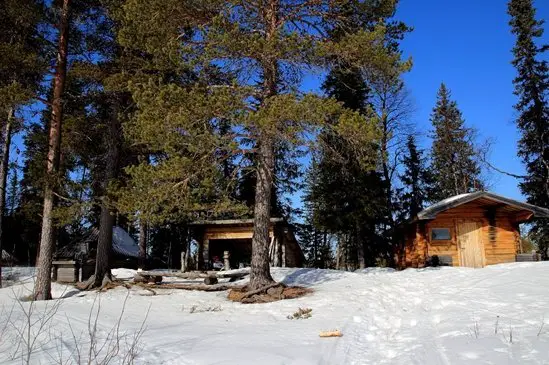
(140,278)
(233,274)
(238,273)
(201,287)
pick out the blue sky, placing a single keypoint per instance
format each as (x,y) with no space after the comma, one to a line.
(467,45)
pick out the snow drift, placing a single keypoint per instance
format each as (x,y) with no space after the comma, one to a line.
(495,315)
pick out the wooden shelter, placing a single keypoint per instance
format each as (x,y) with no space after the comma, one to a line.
(76,261)
(473,230)
(234,236)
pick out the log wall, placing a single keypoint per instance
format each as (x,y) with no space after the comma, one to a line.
(501,243)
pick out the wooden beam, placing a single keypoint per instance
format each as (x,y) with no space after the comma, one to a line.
(229,235)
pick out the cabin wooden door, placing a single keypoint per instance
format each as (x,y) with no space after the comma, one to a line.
(470,243)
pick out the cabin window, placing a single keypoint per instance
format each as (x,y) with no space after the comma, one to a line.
(440,234)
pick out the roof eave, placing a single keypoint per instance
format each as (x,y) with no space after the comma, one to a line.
(537,212)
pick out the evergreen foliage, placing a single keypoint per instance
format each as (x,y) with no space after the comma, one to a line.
(22,65)
(532,89)
(416,179)
(455,166)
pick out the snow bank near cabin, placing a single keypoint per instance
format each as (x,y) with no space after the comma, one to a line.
(445,315)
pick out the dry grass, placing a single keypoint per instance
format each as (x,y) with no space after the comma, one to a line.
(301,313)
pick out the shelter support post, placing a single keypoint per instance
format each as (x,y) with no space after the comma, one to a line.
(226,262)
(276,261)
(183,261)
(199,255)
(206,253)
(283,253)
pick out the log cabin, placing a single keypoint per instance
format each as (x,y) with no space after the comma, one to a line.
(472,230)
(234,236)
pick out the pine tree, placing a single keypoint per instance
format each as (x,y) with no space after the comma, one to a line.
(454,166)
(21,69)
(532,89)
(63,110)
(42,287)
(416,179)
(67,181)
(268,44)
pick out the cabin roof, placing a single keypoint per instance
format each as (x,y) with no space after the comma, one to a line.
(122,244)
(487,198)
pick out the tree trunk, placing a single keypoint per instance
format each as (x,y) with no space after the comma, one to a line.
(104,245)
(106,224)
(387,177)
(260,274)
(360,250)
(142,243)
(3,177)
(42,287)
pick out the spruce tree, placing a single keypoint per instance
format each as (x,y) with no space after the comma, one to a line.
(532,89)
(266,45)
(313,235)
(13,193)
(416,179)
(454,156)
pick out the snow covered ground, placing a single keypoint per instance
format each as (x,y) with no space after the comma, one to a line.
(495,315)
